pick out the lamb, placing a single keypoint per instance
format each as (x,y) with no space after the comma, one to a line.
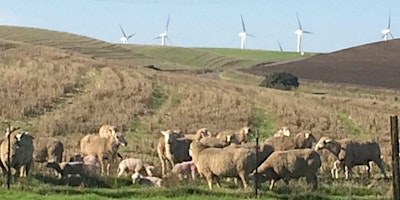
(146,180)
(47,148)
(290,164)
(237,137)
(171,148)
(226,162)
(284,131)
(68,168)
(134,165)
(102,148)
(184,169)
(21,152)
(352,153)
(299,141)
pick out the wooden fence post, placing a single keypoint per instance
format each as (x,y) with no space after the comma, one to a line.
(394,132)
(256,170)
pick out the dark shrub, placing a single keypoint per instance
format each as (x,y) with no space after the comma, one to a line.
(280,80)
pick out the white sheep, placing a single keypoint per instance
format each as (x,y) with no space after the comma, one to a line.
(102,148)
(184,169)
(68,168)
(353,152)
(284,131)
(237,137)
(146,180)
(289,164)
(134,165)
(171,148)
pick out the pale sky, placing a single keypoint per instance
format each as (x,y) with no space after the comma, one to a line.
(335,24)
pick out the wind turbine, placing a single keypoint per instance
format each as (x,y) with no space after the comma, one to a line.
(124,38)
(299,32)
(164,34)
(386,32)
(243,34)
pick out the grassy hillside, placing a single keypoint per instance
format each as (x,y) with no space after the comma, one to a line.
(66,93)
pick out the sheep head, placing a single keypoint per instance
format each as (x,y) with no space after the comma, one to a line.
(119,138)
(323,143)
(136,177)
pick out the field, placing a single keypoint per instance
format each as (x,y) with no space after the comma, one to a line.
(64,85)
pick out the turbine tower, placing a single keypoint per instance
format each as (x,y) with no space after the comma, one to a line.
(124,38)
(386,32)
(299,32)
(164,34)
(243,34)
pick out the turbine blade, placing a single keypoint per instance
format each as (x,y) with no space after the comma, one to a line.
(250,35)
(280,47)
(166,27)
(308,32)
(391,35)
(243,26)
(158,37)
(130,36)
(298,21)
(169,40)
(122,30)
(389,21)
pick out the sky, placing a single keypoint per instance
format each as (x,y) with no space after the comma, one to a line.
(335,24)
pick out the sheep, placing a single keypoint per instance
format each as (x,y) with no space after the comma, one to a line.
(352,152)
(102,148)
(107,130)
(21,152)
(184,169)
(68,168)
(284,131)
(201,133)
(171,148)
(146,180)
(217,142)
(223,162)
(3,169)
(290,164)
(237,137)
(47,148)
(299,141)
(134,165)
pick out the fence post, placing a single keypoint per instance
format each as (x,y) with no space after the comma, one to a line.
(394,132)
(256,170)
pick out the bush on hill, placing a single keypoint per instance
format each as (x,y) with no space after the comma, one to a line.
(280,80)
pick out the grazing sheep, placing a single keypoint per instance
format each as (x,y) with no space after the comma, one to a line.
(291,164)
(223,162)
(201,133)
(21,152)
(352,153)
(102,148)
(146,180)
(185,169)
(47,148)
(282,132)
(134,165)
(299,141)
(171,148)
(237,137)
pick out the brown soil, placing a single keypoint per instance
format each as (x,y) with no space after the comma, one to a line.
(375,65)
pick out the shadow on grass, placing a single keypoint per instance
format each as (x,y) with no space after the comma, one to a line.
(90,182)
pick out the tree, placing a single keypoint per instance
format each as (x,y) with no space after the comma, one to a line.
(280,80)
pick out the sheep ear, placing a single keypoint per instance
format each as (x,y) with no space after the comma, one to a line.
(112,131)
(328,140)
(164,132)
(307,135)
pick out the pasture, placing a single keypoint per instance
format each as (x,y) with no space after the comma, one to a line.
(69,86)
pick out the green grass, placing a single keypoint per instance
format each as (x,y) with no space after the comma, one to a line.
(252,54)
(262,121)
(351,127)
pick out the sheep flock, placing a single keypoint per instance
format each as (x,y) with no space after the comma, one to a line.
(201,155)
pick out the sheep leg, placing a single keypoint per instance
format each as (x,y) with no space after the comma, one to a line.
(218,181)
(381,166)
(209,178)
(193,175)
(244,178)
(272,184)
(312,181)
(348,172)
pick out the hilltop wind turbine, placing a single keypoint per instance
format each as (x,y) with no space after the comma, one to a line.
(164,35)
(243,34)
(280,47)
(124,38)
(299,32)
(386,32)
